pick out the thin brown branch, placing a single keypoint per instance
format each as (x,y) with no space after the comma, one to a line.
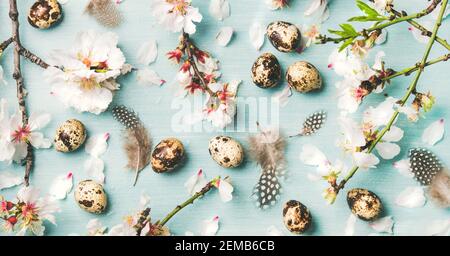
(21,92)
(33,58)
(5,44)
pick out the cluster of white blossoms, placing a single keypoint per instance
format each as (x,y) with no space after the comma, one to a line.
(176,15)
(84,77)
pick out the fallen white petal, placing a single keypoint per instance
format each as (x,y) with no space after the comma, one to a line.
(61,186)
(282,98)
(95,228)
(383,225)
(147,76)
(311,155)
(274,231)
(196,182)
(219,9)
(350,226)
(395,134)
(210,227)
(404,168)
(438,228)
(434,133)
(94,169)
(388,150)
(9,180)
(225,191)
(97,144)
(148,52)
(257,35)
(313,7)
(224,36)
(411,197)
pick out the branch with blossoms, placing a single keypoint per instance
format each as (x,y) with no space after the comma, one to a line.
(377,130)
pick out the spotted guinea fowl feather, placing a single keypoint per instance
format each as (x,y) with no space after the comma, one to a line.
(138,143)
(313,123)
(267,149)
(424,165)
(105,12)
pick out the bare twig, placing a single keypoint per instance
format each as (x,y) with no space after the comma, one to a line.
(5,44)
(33,58)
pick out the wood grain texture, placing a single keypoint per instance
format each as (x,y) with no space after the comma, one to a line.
(154,105)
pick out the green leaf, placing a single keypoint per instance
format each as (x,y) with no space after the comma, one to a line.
(338,32)
(349,29)
(346,44)
(367,9)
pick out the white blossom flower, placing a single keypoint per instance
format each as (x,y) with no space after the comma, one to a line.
(434,132)
(210,227)
(35,211)
(220,110)
(353,135)
(311,155)
(176,15)
(85,79)
(365,160)
(386,148)
(276,4)
(411,113)
(380,5)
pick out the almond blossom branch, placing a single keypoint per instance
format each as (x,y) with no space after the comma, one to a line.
(425,31)
(33,58)
(408,71)
(189,47)
(5,44)
(411,90)
(21,93)
(191,200)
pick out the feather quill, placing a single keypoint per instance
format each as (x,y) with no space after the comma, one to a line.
(267,148)
(138,143)
(105,12)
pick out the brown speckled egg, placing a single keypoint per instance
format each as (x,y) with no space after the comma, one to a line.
(44,13)
(296,217)
(303,77)
(226,151)
(90,196)
(266,71)
(284,36)
(70,136)
(364,204)
(167,155)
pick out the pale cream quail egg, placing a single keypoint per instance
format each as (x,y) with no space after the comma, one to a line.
(167,155)
(70,136)
(45,13)
(90,196)
(284,36)
(266,71)
(296,217)
(303,77)
(226,151)
(364,204)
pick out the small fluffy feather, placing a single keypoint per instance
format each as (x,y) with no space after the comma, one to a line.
(267,149)
(105,12)
(137,139)
(439,189)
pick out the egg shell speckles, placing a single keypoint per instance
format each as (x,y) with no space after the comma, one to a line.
(303,77)
(90,196)
(70,136)
(226,151)
(167,155)
(284,36)
(364,204)
(296,217)
(44,13)
(266,71)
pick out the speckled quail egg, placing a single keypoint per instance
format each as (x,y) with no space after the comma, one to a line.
(296,217)
(90,196)
(303,77)
(226,151)
(364,204)
(284,36)
(167,155)
(70,136)
(266,71)
(45,13)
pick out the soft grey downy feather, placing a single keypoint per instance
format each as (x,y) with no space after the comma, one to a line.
(138,143)
(105,12)
(267,148)
(439,189)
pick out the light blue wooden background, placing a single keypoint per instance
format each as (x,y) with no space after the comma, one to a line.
(238,217)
